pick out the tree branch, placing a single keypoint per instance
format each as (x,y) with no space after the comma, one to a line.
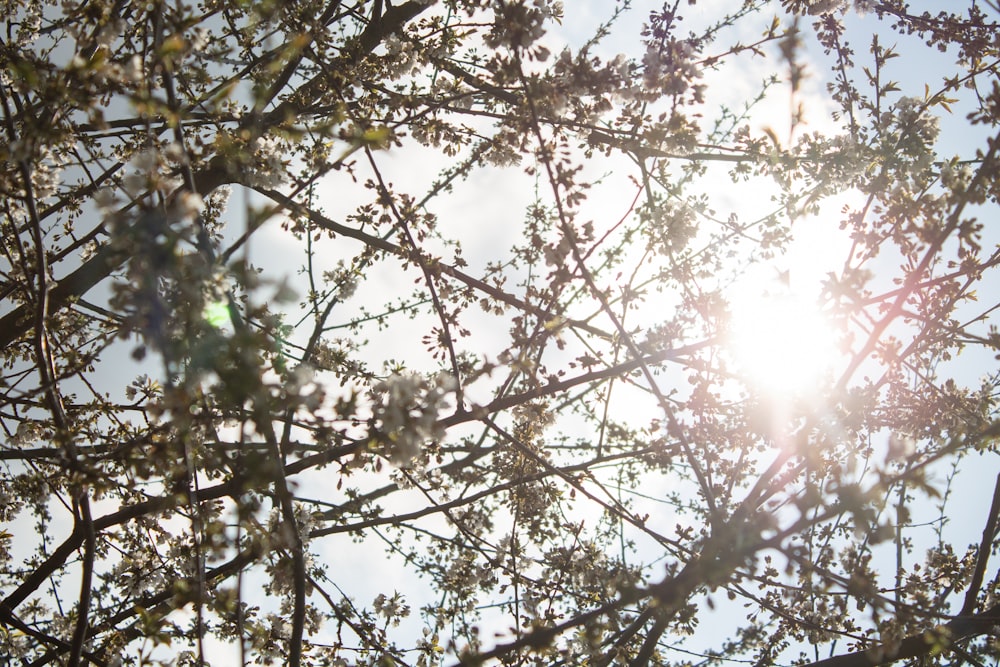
(983,555)
(935,640)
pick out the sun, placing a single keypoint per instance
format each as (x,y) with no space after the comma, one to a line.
(782,344)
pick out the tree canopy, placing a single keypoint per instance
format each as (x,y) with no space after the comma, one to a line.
(472,332)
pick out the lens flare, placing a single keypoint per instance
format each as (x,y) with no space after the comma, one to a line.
(782,344)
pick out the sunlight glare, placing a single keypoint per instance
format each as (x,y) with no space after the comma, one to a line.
(784,345)
(781,343)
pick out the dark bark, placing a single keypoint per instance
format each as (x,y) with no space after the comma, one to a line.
(932,641)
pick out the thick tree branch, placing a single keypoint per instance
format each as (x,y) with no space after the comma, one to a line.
(983,554)
(929,642)
(102,264)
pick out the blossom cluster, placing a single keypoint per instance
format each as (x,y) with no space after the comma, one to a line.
(671,68)
(914,133)
(519,24)
(268,166)
(818,7)
(401,56)
(406,414)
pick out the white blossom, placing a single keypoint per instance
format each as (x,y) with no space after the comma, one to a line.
(401,57)
(109,32)
(862,7)
(105,201)
(393,608)
(825,7)
(956,176)
(670,68)
(268,164)
(199,39)
(189,205)
(518,24)
(133,71)
(408,411)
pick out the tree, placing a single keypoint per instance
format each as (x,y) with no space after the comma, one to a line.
(250,376)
